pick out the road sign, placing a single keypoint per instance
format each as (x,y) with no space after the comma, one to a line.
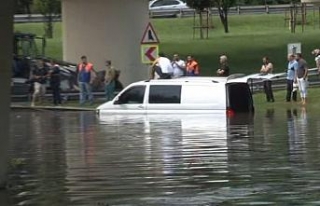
(149,53)
(294,48)
(149,35)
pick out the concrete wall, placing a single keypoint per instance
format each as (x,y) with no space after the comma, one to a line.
(106,29)
(6,30)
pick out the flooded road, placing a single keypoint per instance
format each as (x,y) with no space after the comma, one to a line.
(76,158)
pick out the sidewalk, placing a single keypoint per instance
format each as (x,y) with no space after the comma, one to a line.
(69,106)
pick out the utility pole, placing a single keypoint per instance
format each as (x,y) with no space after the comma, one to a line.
(6,33)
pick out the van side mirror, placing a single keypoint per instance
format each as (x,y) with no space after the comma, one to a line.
(117,101)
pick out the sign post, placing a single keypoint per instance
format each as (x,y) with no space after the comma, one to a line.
(149,45)
(149,53)
(294,48)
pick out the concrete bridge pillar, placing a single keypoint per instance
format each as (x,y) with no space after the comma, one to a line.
(106,30)
(6,34)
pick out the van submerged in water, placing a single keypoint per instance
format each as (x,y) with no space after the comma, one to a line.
(182,95)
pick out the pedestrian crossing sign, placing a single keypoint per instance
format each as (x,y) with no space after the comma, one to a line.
(149,35)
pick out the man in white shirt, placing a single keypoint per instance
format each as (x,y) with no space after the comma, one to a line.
(179,66)
(162,67)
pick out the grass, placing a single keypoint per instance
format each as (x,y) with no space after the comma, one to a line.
(251,37)
(281,104)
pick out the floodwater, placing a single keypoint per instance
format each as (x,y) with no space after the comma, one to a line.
(77,158)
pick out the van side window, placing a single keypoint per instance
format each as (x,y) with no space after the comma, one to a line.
(134,95)
(165,94)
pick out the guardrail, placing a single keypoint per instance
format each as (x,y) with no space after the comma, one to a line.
(238,10)
(33,18)
(280,82)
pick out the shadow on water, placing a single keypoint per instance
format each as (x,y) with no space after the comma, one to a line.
(76,158)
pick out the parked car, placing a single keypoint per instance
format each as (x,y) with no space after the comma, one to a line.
(183,95)
(172,7)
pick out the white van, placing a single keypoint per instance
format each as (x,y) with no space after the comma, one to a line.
(182,95)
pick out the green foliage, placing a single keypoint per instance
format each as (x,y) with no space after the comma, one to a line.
(265,2)
(23,6)
(224,4)
(252,37)
(200,5)
(48,7)
(223,8)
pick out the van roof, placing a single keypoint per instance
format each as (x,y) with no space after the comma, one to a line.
(199,79)
(191,79)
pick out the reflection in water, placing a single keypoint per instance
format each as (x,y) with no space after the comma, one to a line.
(76,158)
(297,133)
(39,140)
(268,126)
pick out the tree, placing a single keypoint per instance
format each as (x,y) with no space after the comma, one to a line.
(49,9)
(200,6)
(223,8)
(23,6)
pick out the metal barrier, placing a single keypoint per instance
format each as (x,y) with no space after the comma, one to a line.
(279,82)
(237,10)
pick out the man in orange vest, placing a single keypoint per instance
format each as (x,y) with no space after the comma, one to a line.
(86,76)
(192,66)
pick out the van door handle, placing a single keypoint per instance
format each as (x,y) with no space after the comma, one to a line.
(140,107)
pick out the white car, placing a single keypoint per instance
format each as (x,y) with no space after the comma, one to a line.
(167,4)
(218,95)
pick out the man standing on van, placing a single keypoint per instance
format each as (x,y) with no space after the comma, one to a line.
(85,76)
(267,68)
(109,80)
(291,76)
(302,77)
(162,67)
(179,66)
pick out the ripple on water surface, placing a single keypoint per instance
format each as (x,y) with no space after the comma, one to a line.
(73,158)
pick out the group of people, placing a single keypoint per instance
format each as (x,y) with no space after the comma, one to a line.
(41,73)
(86,75)
(164,68)
(297,78)
(297,72)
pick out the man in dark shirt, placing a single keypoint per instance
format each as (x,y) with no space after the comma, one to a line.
(224,68)
(40,74)
(55,82)
(302,77)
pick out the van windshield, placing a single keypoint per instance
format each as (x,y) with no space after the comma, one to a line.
(133,95)
(239,97)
